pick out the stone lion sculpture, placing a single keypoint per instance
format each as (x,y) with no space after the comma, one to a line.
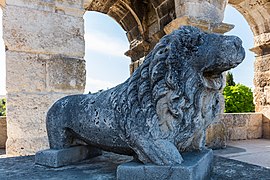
(162,110)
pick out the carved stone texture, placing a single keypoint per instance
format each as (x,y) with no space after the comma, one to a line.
(3,132)
(161,110)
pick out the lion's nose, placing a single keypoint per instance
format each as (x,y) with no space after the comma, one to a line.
(237,42)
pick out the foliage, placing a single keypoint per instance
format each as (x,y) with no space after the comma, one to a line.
(238,99)
(3,107)
(229,79)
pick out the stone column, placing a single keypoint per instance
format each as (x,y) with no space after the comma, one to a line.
(44,43)
(200,13)
(262,79)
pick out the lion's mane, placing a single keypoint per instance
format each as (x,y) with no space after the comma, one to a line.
(166,69)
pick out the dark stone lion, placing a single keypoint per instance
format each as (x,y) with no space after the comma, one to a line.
(161,110)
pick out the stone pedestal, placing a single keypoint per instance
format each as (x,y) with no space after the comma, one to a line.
(63,157)
(196,166)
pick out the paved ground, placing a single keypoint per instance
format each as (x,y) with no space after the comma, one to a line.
(255,152)
(104,167)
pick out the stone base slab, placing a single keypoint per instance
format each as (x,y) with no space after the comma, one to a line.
(62,157)
(196,166)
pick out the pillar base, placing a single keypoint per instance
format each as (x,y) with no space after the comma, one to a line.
(196,166)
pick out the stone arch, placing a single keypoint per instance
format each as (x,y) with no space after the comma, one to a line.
(125,13)
(257,14)
(242,29)
(144,24)
(105,44)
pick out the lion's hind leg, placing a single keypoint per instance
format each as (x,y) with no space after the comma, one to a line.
(60,138)
(64,147)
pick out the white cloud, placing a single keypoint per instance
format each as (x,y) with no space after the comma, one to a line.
(95,85)
(105,44)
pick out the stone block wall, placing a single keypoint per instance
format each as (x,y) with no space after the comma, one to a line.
(44,43)
(266,126)
(236,126)
(3,132)
(243,126)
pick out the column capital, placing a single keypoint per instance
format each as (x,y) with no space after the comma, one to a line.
(204,25)
(261,44)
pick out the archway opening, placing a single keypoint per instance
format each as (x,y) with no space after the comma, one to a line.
(238,91)
(105,45)
(244,73)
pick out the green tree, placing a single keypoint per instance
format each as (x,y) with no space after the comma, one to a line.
(3,107)
(229,79)
(238,99)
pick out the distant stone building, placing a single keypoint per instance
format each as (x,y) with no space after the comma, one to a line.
(44,43)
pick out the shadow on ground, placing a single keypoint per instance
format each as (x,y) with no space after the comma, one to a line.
(104,167)
(2,152)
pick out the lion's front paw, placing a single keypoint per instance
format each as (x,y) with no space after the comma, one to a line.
(159,152)
(165,153)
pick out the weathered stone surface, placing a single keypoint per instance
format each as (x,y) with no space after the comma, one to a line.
(234,126)
(57,158)
(204,10)
(261,39)
(266,128)
(239,133)
(254,132)
(25,72)
(262,79)
(65,74)
(45,32)
(68,7)
(150,115)
(235,119)
(254,119)
(216,135)
(262,63)
(104,167)
(197,166)
(242,126)
(21,146)
(3,132)
(266,122)
(204,25)
(26,122)
(48,73)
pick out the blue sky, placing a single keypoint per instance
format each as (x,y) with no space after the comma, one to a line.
(244,73)
(106,44)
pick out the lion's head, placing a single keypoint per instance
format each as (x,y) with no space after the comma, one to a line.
(179,83)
